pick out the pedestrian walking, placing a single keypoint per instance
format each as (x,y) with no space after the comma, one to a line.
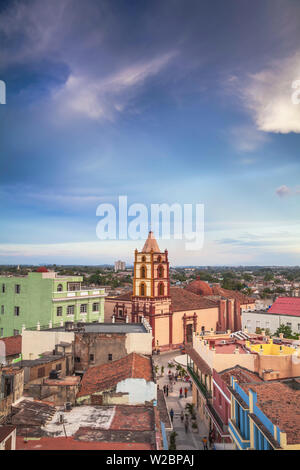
(171,414)
(167,390)
(185,392)
(186,425)
(180,392)
(182,416)
(204,442)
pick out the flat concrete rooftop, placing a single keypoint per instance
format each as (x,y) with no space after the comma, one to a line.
(106,328)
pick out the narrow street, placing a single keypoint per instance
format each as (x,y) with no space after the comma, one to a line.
(190,440)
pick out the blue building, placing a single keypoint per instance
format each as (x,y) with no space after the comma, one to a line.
(265,415)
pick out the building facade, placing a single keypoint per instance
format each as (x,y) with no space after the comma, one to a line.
(43,299)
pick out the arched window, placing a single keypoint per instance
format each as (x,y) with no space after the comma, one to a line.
(143,259)
(160,271)
(159,258)
(59,288)
(161,290)
(142,289)
(143,272)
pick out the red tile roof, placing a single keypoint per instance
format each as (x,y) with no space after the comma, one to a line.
(233,294)
(281,404)
(241,374)
(13,345)
(6,431)
(286,306)
(69,443)
(182,299)
(107,376)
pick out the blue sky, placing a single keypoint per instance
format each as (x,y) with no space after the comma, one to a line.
(162,101)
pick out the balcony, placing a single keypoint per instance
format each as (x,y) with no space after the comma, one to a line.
(201,387)
(78,294)
(237,437)
(223,428)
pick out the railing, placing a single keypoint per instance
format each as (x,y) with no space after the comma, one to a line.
(198,383)
(217,418)
(79,293)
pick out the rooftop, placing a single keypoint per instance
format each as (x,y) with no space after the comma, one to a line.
(40,360)
(6,431)
(107,376)
(183,299)
(242,375)
(13,345)
(151,244)
(286,306)
(116,328)
(281,404)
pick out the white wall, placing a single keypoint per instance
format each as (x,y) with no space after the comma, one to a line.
(252,320)
(37,342)
(140,343)
(139,390)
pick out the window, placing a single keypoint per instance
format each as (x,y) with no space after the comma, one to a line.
(161,289)
(73,286)
(59,288)
(17,288)
(2,309)
(70,310)
(1,332)
(120,312)
(58,366)
(142,289)
(16,332)
(298,326)
(92,358)
(17,311)
(160,271)
(41,372)
(83,308)
(289,324)
(110,357)
(159,258)
(143,272)
(96,307)
(59,311)
(3,288)
(143,259)
(77,359)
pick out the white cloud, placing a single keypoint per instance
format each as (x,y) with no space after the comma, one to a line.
(283,191)
(103,98)
(268,96)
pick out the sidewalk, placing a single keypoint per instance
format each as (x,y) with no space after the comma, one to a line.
(184,441)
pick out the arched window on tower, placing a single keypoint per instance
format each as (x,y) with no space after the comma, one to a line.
(143,259)
(161,289)
(142,290)
(143,272)
(159,258)
(59,288)
(160,271)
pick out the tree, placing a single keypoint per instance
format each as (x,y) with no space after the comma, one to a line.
(287,332)
(173,436)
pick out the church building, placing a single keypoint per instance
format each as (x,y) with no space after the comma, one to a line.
(174,313)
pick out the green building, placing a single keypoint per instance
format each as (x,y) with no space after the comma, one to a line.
(43,299)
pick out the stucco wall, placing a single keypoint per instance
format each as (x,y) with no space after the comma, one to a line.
(252,320)
(139,390)
(139,342)
(35,343)
(206,318)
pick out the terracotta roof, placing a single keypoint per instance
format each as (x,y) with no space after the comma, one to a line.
(151,244)
(42,269)
(286,306)
(125,296)
(69,443)
(107,376)
(233,294)
(6,431)
(200,363)
(183,299)
(13,345)
(281,404)
(240,373)
(199,287)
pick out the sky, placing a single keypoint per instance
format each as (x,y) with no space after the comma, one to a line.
(161,101)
